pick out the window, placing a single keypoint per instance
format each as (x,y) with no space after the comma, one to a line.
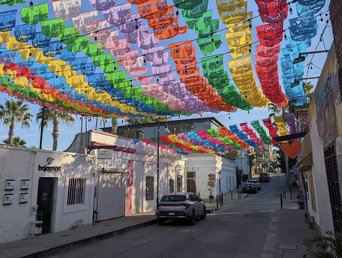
(149,188)
(171,185)
(191,181)
(76,191)
(194,198)
(179,183)
(173,198)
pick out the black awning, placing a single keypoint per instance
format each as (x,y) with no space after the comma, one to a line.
(289,137)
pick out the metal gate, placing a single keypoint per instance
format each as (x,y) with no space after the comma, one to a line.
(111,197)
(334,187)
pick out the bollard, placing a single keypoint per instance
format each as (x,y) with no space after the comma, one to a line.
(231,194)
(217,201)
(222,199)
(281,201)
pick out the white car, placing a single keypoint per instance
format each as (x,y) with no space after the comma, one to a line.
(256,183)
(180,206)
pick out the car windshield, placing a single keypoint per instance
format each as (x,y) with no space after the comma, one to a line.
(173,198)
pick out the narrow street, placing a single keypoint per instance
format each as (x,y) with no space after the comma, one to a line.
(243,228)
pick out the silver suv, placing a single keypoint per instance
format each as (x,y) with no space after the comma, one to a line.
(181,206)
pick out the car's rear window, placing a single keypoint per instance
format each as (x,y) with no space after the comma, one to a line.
(173,198)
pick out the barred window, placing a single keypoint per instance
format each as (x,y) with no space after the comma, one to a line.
(76,191)
(149,188)
(171,185)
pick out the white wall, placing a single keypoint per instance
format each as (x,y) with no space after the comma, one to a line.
(16,164)
(323,216)
(204,165)
(73,166)
(228,175)
(144,164)
(21,163)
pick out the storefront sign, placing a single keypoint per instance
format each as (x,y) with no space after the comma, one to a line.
(47,168)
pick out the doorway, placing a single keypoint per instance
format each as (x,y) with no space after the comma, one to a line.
(191,182)
(45,202)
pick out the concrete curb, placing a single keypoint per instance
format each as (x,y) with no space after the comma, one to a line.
(88,240)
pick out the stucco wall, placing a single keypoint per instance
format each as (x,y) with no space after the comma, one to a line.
(323,216)
(144,164)
(222,168)
(16,164)
(73,166)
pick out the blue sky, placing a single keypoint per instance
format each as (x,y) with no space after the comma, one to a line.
(67,132)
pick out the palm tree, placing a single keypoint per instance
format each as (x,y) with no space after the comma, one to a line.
(114,128)
(55,117)
(15,112)
(327,245)
(16,142)
(308,88)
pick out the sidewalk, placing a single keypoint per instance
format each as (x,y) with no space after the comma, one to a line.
(51,243)
(291,230)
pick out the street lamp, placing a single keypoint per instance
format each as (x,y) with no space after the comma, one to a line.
(301,57)
(158,156)
(296,81)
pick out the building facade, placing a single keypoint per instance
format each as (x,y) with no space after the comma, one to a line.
(43,191)
(321,167)
(209,175)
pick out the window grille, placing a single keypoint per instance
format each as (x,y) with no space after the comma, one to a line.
(334,187)
(149,188)
(76,191)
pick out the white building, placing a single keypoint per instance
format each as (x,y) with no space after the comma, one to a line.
(43,191)
(210,175)
(320,161)
(136,164)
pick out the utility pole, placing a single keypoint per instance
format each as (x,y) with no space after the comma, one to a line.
(42,128)
(158,133)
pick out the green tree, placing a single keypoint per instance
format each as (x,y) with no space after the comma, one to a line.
(16,142)
(15,112)
(54,116)
(280,157)
(327,245)
(308,88)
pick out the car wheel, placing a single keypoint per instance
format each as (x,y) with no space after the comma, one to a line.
(204,215)
(193,218)
(161,222)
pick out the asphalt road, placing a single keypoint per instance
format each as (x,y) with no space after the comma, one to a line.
(240,229)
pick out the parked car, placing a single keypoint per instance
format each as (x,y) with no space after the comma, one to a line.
(180,206)
(249,187)
(264,177)
(256,182)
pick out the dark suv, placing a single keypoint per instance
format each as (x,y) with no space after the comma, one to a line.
(264,177)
